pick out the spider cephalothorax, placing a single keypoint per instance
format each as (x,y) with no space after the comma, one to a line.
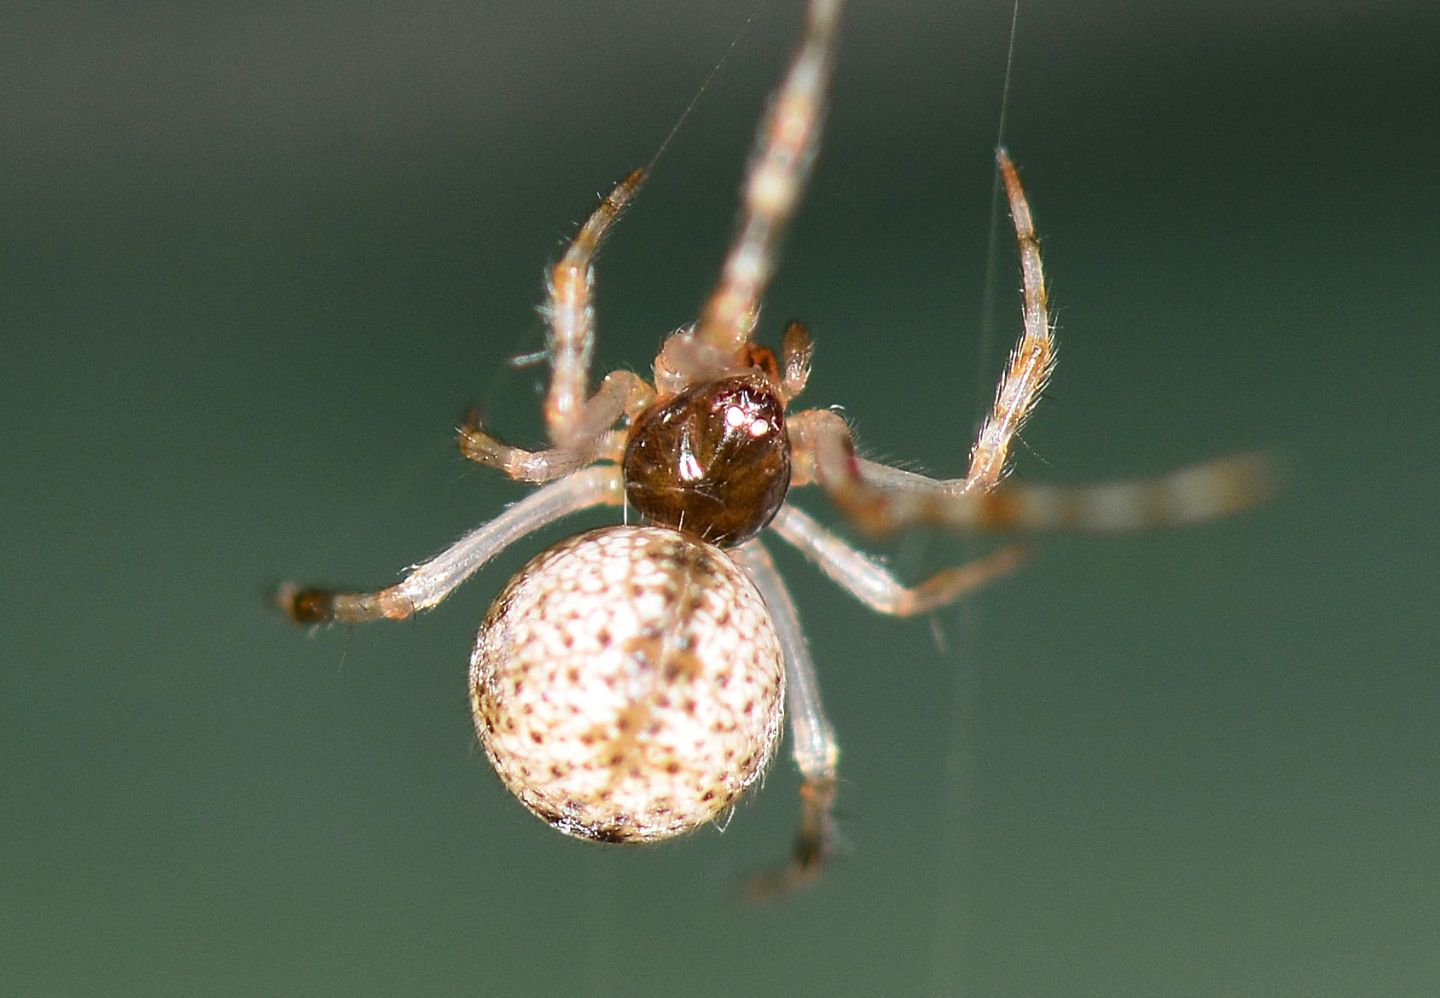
(628,683)
(712,460)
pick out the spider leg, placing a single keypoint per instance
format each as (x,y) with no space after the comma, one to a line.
(430,582)
(572,420)
(1031,361)
(620,394)
(872,584)
(779,167)
(882,500)
(523,465)
(812,740)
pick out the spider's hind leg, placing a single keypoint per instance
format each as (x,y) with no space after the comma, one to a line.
(816,752)
(430,582)
(872,584)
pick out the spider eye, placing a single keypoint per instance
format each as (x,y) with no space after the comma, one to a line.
(713,460)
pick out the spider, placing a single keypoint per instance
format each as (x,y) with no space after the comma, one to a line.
(629,683)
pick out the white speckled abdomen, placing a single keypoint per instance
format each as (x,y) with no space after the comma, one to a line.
(628,684)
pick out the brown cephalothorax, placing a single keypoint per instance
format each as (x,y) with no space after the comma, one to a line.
(713,460)
(629,683)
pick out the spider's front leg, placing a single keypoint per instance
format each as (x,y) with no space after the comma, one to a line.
(775,179)
(617,394)
(1026,373)
(532,465)
(882,499)
(1031,361)
(581,427)
(573,420)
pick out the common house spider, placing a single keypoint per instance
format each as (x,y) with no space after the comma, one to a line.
(629,683)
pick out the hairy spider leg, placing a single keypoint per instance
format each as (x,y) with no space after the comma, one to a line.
(779,168)
(882,500)
(872,584)
(1033,358)
(573,421)
(581,428)
(431,581)
(813,742)
(812,739)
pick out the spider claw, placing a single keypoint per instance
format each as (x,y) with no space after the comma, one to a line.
(814,846)
(809,860)
(305,606)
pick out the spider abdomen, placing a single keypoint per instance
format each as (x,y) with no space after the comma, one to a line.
(628,684)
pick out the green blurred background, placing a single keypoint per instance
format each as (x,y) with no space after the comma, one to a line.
(256,260)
